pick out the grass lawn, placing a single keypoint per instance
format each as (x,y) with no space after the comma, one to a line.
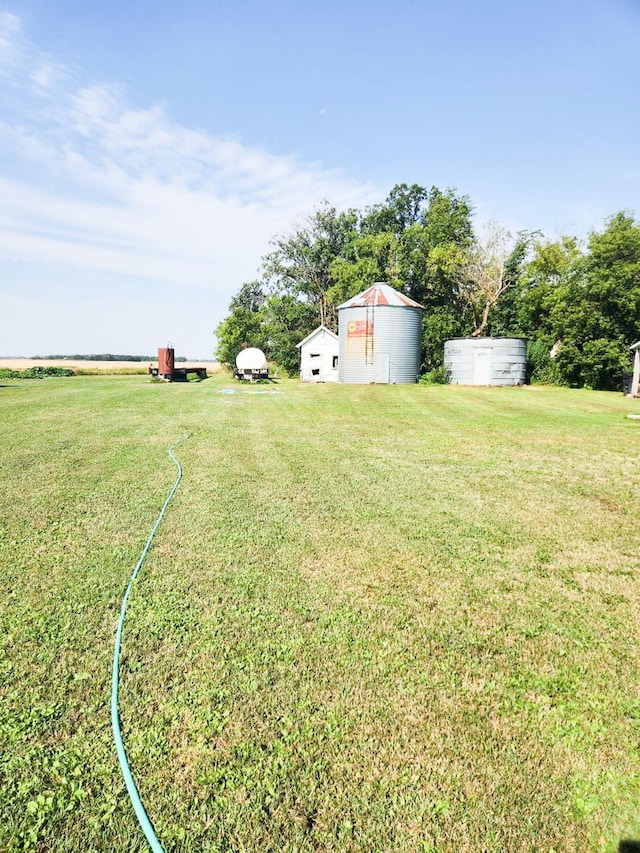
(374,619)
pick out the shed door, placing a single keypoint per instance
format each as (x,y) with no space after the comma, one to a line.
(382,368)
(482,366)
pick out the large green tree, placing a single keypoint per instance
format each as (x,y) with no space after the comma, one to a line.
(369,258)
(300,263)
(578,306)
(488,279)
(244,326)
(584,304)
(417,240)
(403,207)
(601,316)
(286,321)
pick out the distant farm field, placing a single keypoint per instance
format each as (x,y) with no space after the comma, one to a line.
(86,366)
(374,619)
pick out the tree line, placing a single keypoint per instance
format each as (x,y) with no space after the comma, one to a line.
(103,356)
(577,302)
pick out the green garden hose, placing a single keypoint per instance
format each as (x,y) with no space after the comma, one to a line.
(127,775)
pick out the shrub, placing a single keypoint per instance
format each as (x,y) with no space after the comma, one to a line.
(34,372)
(438,376)
(541,368)
(599,364)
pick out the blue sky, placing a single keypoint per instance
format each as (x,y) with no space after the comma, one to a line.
(149,150)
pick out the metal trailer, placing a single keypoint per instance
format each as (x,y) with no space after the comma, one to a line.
(251,373)
(168,371)
(178,374)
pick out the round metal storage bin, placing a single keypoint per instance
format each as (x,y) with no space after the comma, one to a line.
(486,361)
(379,338)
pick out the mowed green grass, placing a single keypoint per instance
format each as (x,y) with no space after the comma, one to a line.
(374,618)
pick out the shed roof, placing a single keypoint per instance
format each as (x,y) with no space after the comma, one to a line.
(380,294)
(315,332)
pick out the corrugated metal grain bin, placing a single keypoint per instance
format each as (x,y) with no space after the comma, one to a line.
(486,361)
(379,337)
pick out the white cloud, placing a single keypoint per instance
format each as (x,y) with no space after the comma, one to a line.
(10,40)
(93,183)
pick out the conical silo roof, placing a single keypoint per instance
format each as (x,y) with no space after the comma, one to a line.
(380,294)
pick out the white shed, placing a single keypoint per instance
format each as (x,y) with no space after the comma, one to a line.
(635,382)
(319,356)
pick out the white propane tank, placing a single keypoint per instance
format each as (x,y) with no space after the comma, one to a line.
(251,358)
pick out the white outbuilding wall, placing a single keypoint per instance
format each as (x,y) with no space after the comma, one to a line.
(319,356)
(635,382)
